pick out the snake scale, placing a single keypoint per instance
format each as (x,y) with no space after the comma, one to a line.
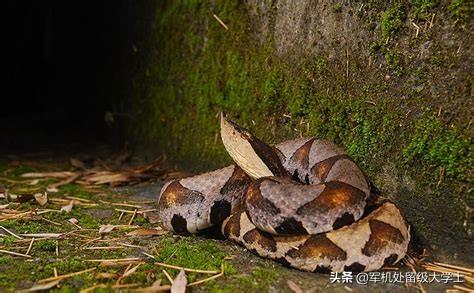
(303,203)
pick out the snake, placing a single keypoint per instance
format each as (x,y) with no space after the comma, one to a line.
(303,203)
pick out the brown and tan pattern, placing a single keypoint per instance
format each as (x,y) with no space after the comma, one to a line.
(300,203)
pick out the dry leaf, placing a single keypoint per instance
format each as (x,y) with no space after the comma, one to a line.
(179,283)
(73,221)
(41,198)
(4,206)
(293,287)
(34,182)
(41,287)
(52,189)
(104,229)
(68,208)
(130,271)
(147,232)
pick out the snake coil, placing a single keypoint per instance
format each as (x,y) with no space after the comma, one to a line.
(303,202)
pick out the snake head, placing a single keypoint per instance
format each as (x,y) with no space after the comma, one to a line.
(255,157)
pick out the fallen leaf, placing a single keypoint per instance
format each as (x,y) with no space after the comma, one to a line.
(52,189)
(41,198)
(293,287)
(34,182)
(130,271)
(104,229)
(73,221)
(68,208)
(4,206)
(41,287)
(147,232)
(179,283)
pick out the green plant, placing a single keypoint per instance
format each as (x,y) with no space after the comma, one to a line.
(392,21)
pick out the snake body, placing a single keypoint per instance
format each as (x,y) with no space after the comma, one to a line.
(303,202)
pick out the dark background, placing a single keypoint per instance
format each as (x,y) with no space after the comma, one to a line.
(62,60)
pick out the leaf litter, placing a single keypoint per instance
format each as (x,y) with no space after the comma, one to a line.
(30,200)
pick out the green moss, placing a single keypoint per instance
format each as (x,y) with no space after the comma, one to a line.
(259,279)
(7,240)
(192,253)
(375,47)
(440,146)
(437,58)
(392,20)
(461,9)
(422,8)
(73,264)
(25,226)
(77,190)
(394,62)
(46,245)
(6,260)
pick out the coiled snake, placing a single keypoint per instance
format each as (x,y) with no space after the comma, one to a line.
(303,202)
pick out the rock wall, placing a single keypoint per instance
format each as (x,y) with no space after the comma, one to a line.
(390,81)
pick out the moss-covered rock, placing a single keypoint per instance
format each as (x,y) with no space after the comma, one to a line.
(399,101)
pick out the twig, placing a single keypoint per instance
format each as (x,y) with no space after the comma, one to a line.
(62,277)
(49,221)
(168,276)
(185,269)
(454,267)
(432,20)
(92,288)
(417,29)
(11,233)
(104,247)
(114,259)
(65,181)
(121,204)
(125,285)
(138,212)
(210,278)
(30,246)
(78,198)
(462,288)
(45,235)
(14,253)
(132,218)
(129,245)
(149,255)
(221,22)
